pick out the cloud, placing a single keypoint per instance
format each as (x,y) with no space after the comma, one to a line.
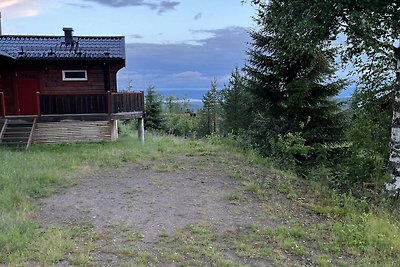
(136,36)
(25,8)
(79,5)
(8,3)
(194,66)
(166,6)
(161,7)
(198,16)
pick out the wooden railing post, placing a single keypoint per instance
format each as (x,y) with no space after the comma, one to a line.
(142,101)
(3,105)
(109,102)
(38,104)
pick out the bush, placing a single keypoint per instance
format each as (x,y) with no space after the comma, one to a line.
(181,124)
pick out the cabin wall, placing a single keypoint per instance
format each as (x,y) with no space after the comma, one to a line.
(113,77)
(7,87)
(53,83)
(99,74)
(72,132)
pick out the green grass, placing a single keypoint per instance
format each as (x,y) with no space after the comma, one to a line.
(193,246)
(232,197)
(268,243)
(44,170)
(338,229)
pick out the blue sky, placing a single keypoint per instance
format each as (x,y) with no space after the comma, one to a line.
(175,45)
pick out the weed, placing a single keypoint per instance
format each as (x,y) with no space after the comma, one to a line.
(232,197)
(193,246)
(252,187)
(287,189)
(133,236)
(236,174)
(291,245)
(323,261)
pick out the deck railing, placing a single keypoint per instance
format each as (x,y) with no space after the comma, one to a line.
(2,105)
(127,102)
(108,103)
(72,104)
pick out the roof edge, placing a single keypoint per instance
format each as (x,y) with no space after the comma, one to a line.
(60,36)
(4,54)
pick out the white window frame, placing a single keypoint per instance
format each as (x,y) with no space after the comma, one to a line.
(74,79)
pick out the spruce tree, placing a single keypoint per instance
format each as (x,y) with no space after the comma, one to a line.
(292,83)
(210,111)
(154,119)
(236,105)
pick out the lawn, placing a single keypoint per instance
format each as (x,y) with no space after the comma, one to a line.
(259,215)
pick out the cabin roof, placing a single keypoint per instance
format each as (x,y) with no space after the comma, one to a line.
(22,47)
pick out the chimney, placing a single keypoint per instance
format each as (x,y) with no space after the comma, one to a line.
(68,36)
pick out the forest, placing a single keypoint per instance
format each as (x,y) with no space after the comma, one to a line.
(283,103)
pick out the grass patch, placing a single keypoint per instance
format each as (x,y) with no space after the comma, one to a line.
(232,197)
(142,259)
(268,243)
(253,187)
(288,189)
(193,246)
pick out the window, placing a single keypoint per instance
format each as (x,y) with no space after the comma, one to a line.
(74,75)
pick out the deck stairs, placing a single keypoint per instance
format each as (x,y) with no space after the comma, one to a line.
(17,132)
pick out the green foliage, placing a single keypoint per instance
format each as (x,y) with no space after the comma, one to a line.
(292,83)
(210,113)
(179,119)
(181,124)
(236,104)
(154,119)
(290,148)
(368,135)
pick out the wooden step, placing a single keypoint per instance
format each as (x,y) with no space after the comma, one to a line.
(17,132)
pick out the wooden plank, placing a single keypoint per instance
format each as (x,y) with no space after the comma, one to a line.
(2,129)
(2,105)
(28,144)
(71,132)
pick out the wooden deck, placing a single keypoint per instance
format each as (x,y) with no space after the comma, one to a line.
(127,104)
(73,118)
(106,106)
(79,117)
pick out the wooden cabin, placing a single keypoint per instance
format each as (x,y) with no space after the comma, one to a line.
(56,89)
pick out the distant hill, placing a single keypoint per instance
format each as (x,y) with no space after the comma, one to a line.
(194,96)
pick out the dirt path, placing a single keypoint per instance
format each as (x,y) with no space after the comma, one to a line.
(152,203)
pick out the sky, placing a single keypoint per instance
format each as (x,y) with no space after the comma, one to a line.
(178,46)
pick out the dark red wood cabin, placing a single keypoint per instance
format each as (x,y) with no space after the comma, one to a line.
(51,79)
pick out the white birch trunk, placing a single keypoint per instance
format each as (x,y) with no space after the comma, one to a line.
(393,186)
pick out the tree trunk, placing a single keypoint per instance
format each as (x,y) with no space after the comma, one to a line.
(394,159)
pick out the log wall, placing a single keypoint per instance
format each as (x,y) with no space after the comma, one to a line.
(7,87)
(72,132)
(53,83)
